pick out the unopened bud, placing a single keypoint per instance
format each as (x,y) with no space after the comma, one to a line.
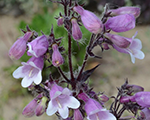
(29,110)
(60,21)
(126,10)
(76,32)
(57,58)
(90,21)
(41,107)
(19,47)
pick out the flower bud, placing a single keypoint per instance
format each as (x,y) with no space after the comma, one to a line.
(135,88)
(29,110)
(38,46)
(41,107)
(120,23)
(76,32)
(19,47)
(57,58)
(126,99)
(119,41)
(103,98)
(60,21)
(126,10)
(90,21)
(78,115)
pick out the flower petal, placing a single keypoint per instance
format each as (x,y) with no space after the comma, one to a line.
(18,73)
(51,109)
(63,112)
(73,102)
(38,78)
(26,82)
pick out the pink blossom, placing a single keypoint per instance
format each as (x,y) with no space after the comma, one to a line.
(30,71)
(126,10)
(121,23)
(19,47)
(134,49)
(38,46)
(90,21)
(61,101)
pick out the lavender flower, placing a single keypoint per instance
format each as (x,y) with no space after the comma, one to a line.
(142,98)
(76,32)
(41,107)
(57,58)
(19,47)
(30,71)
(38,46)
(118,40)
(61,100)
(90,21)
(145,114)
(125,10)
(120,23)
(78,115)
(29,110)
(95,111)
(134,49)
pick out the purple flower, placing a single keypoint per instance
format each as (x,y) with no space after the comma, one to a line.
(57,58)
(19,47)
(90,21)
(95,111)
(29,110)
(118,40)
(143,99)
(145,114)
(77,115)
(76,32)
(61,100)
(134,49)
(126,99)
(60,21)
(38,46)
(30,71)
(120,23)
(41,107)
(126,10)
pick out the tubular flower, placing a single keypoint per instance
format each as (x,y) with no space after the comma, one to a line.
(30,71)
(77,115)
(121,23)
(90,21)
(95,111)
(29,110)
(118,40)
(57,58)
(126,10)
(134,49)
(38,46)
(76,32)
(19,47)
(61,100)
(143,99)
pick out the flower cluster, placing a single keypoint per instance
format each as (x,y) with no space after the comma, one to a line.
(76,100)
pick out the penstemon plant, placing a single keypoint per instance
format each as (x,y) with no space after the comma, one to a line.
(70,96)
